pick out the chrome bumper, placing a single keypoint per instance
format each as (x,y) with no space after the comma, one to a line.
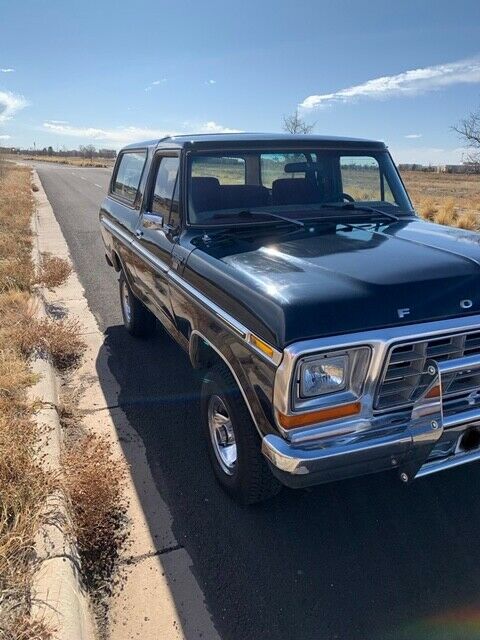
(413,447)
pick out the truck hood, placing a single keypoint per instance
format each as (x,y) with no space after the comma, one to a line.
(346,278)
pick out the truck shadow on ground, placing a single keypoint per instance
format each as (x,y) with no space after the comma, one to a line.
(366,558)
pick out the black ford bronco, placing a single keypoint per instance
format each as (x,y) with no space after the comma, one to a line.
(338,333)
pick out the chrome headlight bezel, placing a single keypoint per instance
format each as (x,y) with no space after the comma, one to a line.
(356,360)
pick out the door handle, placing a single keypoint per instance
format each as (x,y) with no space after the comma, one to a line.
(139,233)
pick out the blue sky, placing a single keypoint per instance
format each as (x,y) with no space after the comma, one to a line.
(109,73)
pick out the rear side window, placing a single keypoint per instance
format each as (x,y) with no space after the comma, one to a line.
(164,192)
(128,175)
(272,166)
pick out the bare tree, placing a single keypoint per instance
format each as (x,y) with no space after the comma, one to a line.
(294,123)
(469,131)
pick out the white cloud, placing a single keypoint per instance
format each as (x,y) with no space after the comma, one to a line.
(10,103)
(119,135)
(210,82)
(7,70)
(155,83)
(213,127)
(124,135)
(413,136)
(58,121)
(5,137)
(408,83)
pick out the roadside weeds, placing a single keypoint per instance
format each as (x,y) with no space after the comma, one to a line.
(24,482)
(33,485)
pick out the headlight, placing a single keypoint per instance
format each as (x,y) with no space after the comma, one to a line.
(325,375)
(332,377)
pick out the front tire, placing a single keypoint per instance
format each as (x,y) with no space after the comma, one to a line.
(138,320)
(232,440)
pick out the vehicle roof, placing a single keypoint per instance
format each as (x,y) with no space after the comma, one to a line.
(246,140)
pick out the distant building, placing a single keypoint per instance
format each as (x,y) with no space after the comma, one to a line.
(465,167)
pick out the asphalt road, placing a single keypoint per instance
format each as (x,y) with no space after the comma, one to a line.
(363,559)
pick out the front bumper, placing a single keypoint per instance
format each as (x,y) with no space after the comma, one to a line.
(427,441)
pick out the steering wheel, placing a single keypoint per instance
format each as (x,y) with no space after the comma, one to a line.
(347,197)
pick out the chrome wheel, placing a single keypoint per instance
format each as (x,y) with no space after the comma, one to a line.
(126,303)
(222,434)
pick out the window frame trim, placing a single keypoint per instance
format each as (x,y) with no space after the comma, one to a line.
(131,204)
(150,187)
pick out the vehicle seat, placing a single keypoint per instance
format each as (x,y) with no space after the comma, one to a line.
(243,196)
(205,194)
(294,191)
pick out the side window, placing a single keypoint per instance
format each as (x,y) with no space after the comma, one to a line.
(128,175)
(361,177)
(272,166)
(227,170)
(165,193)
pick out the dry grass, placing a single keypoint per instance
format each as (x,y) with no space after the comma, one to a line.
(93,480)
(95,483)
(445,198)
(468,221)
(23,483)
(24,628)
(99,163)
(53,271)
(59,339)
(24,489)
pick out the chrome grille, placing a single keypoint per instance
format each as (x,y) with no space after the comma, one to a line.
(404,376)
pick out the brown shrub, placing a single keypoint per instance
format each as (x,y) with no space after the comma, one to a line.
(468,221)
(58,338)
(15,273)
(446,216)
(15,374)
(428,209)
(54,271)
(94,481)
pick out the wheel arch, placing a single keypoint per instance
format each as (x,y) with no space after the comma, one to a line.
(116,261)
(202,352)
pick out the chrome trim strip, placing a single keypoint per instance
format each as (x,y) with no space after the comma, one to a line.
(458,365)
(152,259)
(214,308)
(459,419)
(116,230)
(173,277)
(450,463)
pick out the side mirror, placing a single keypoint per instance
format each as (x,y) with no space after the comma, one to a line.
(152,221)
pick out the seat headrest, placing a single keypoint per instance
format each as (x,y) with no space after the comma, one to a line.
(294,191)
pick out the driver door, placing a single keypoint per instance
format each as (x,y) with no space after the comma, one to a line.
(154,234)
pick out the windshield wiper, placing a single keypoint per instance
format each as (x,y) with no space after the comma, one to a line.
(351,206)
(247,213)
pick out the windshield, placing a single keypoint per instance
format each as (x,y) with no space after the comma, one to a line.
(299,184)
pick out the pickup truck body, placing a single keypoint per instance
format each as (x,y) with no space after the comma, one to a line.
(265,276)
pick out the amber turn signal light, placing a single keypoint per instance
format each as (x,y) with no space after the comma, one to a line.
(322,415)
(260,344)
